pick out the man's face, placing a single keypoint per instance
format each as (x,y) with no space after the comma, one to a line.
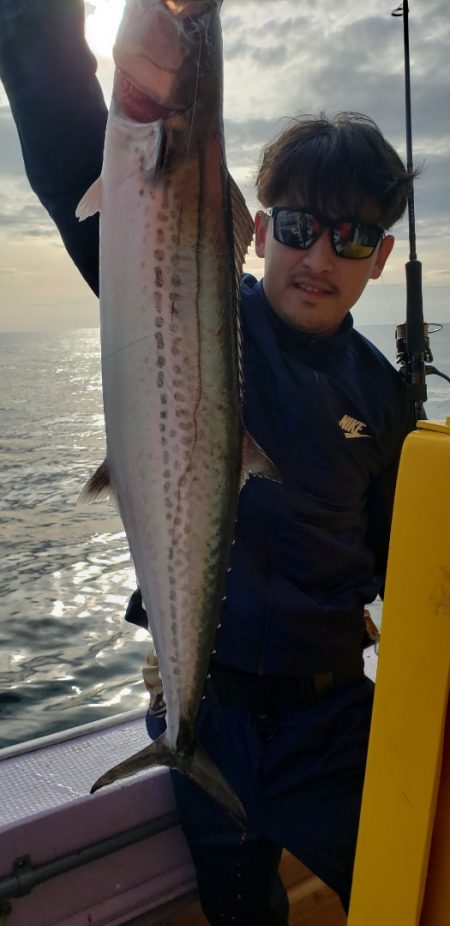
(314,289)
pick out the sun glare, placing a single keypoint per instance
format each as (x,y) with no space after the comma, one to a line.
(102,20)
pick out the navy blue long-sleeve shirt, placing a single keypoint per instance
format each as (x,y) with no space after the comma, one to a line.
(330,412)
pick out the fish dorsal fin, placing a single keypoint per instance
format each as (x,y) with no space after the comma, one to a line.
(243,227)
(91,201)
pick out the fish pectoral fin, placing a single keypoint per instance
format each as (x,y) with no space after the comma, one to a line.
(98,486)
(91,201)
(196,764)
(255,462)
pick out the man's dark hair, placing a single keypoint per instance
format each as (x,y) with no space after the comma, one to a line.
(338,168)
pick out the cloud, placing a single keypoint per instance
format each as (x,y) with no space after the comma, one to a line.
(11,163)
(284,58)
(335,58)
(22,214)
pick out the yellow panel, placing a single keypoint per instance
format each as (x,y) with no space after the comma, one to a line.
(405,751)
(433,425)
(436,905)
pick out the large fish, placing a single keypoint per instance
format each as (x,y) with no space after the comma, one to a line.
(174,231)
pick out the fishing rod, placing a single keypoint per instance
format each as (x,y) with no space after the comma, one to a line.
(412,337)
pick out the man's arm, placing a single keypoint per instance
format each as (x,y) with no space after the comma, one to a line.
(380,497)
(379,505)
(49,76)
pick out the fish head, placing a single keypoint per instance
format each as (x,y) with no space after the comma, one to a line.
(165,54)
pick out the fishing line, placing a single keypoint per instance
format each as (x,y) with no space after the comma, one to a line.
(194,105)
(388,301)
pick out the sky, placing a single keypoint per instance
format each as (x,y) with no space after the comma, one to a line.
(281,58)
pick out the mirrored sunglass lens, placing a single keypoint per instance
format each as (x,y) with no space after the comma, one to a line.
(355,250)
(355,241)
(296,229)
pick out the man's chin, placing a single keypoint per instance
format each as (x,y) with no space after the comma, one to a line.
(309,318)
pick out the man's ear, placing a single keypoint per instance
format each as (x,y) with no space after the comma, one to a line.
(384,250)
(261,222)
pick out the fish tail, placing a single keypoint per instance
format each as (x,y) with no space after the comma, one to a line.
(196,764)
(200,769)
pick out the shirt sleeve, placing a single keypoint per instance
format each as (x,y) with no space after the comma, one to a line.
(48,73)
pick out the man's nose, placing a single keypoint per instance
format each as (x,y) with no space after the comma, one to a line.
(320,257)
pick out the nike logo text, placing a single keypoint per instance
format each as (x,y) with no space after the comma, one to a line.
(352,427)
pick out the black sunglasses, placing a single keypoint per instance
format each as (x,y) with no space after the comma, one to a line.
(298,228)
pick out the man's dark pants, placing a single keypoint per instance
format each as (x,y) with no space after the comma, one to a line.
(299,774)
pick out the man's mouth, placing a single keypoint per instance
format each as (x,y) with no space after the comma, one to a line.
(313,289)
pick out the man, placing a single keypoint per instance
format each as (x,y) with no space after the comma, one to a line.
(286,712)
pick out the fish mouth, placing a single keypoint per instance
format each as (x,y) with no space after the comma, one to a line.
(162,48)
(137,105)
(190,7)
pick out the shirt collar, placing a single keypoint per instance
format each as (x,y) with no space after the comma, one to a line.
(312,349)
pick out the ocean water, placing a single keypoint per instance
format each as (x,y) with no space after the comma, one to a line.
(66,655)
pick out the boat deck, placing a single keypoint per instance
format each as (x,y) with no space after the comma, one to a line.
(47,817)
(48,820)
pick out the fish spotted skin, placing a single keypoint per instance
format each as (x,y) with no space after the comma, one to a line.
(174,231)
